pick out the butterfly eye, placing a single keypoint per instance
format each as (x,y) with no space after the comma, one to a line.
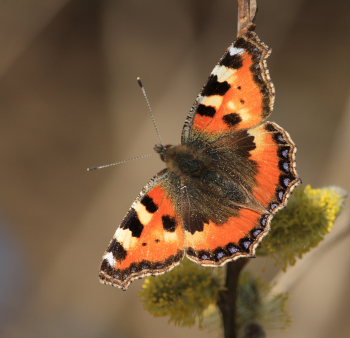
(159,148)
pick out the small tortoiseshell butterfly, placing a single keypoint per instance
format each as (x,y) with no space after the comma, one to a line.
(222,185)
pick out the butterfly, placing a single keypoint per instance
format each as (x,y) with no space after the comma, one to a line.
(222,185)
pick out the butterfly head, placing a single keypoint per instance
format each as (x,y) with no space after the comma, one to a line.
(161,150)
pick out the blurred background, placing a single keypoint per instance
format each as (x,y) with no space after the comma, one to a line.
(69,100)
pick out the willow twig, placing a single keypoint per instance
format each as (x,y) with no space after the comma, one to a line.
(246,14)
(228,297)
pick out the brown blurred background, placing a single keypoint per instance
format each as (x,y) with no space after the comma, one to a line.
(69,100)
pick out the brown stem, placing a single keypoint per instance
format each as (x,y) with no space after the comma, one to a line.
(246,14)
(228,297)
(254,330)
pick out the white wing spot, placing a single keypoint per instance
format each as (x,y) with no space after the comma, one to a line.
(223,73)
(231,105)
(244,114)
(144,216)
(170,237)
(213,100)
(235,51)
(123,236)
(110,259)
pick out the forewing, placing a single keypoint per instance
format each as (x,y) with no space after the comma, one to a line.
(239,93)
(149,241)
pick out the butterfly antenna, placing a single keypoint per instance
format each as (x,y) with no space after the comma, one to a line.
(149,108)
(120,162)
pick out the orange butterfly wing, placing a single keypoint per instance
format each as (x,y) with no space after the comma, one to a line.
(239,96)
(149,241)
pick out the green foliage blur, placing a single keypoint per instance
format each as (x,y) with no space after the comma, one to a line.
(302,224)
(256,304)
(183,294)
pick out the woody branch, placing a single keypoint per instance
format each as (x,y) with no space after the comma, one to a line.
(246,14)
